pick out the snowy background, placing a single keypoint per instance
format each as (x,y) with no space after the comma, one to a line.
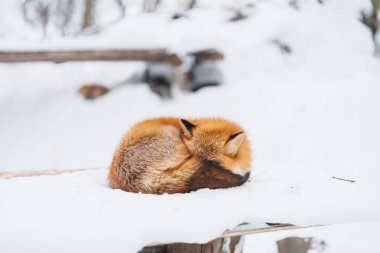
(311,115)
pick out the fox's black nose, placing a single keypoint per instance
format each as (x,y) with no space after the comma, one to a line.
(246,176)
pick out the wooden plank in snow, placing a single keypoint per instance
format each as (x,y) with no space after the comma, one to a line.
(34,173)
(151,55)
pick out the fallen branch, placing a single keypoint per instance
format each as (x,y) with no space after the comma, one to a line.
(240,231)
(342,179)
(152,55)
(34,173)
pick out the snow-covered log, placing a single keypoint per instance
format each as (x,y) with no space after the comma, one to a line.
(152,55)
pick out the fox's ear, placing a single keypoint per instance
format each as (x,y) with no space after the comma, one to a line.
(187,128)
(233,143)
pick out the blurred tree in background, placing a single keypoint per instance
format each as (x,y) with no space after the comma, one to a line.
(63,15)
(69,17)
(73,17)
(88,14)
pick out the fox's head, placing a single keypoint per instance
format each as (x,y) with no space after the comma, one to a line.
(218,143)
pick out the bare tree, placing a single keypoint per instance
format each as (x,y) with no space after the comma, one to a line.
(151,5)
(25,7)
(122,7)
(63,15)
(37,12)
(191,4)
(371,19)
(43,11)
(88,14)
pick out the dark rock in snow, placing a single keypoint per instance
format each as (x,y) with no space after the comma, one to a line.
(205,70)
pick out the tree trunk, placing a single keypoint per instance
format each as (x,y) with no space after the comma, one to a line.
(88,14)
(122,7)
(192,4)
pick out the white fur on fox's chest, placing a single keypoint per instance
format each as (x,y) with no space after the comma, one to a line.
(240,171)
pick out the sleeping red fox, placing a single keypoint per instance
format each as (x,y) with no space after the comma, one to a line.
(172,155)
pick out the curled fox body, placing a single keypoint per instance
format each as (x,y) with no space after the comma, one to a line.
(172,155)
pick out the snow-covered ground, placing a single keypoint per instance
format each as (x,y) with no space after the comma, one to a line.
(311,115)
(79,211)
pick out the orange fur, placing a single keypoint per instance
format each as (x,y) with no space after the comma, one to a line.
(170,155)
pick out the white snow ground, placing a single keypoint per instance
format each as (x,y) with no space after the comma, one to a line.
(79,211)
(311,115)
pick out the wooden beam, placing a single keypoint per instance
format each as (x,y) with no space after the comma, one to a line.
(241,231)
(151,55)
(35,173)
